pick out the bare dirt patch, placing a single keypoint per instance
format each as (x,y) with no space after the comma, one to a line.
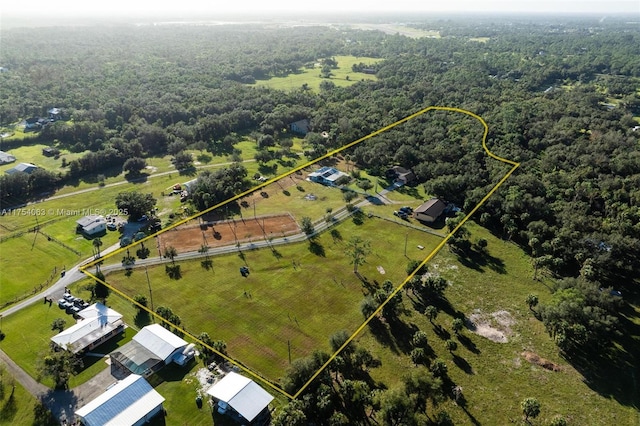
(190,237)
(495,326)
(533,358)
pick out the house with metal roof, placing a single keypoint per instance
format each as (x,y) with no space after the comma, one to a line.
(91,225)
(97,324)
(152,348)
(6,158)
(430,211)
(241,399)
(328,176)
(130,402)
(27,168)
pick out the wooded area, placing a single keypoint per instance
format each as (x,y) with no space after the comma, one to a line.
(562,98)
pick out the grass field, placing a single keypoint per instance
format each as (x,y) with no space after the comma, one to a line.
(495,377)
(33,154)
(16,405)
(290,297)
(341,76)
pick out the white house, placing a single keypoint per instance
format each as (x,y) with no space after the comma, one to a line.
(96,325)
(241,398)
(91,225)
(130,402)
(328,176)
(152,348)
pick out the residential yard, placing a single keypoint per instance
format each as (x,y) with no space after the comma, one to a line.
(33,154)
(16,404)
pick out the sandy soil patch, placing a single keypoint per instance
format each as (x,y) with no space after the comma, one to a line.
(533,358)
(495,326)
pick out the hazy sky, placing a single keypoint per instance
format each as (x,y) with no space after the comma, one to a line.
(180,7)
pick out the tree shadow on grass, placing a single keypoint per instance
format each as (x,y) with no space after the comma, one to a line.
(382,334)
(173,271)
(479,260)
(468,343)
(9,408)
(441,332)
(402,334)
(462,364)
(207,264)
(142,318)
(316,248)
(276,254)
(614,372)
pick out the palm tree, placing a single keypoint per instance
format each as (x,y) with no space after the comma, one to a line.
(97,243)
(171,253)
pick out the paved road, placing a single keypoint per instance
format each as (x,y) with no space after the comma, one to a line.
(63,403)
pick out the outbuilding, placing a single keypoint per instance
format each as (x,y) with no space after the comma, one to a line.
(130,402)
(241,399)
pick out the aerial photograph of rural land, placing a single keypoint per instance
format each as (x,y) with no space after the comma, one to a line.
(320,213)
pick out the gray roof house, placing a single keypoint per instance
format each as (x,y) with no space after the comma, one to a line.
(27,168)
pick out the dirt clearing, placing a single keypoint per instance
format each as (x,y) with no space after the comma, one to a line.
(191,236)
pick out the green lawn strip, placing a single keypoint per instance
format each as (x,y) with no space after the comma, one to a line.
(16,406)
(301,305)
(27,267)
(28,334)
(497,377)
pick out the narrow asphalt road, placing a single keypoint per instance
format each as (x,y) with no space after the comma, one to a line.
(63,403)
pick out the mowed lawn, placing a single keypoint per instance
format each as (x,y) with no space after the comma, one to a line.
(341,76)
(293,295)
(28,263)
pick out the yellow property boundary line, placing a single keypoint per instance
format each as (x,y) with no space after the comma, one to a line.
(430,256)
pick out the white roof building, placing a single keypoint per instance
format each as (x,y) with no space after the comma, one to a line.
(91,224)
(130,402)
(160,341)
(243,395)
(150,349)
(97,324)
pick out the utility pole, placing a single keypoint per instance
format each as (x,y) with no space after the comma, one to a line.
(405,244)
(149,285)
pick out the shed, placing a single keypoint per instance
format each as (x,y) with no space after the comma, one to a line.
(98,323)
(130,402)
(430,211)
(237,395)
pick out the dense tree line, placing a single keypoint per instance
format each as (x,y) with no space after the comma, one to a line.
(560,97)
